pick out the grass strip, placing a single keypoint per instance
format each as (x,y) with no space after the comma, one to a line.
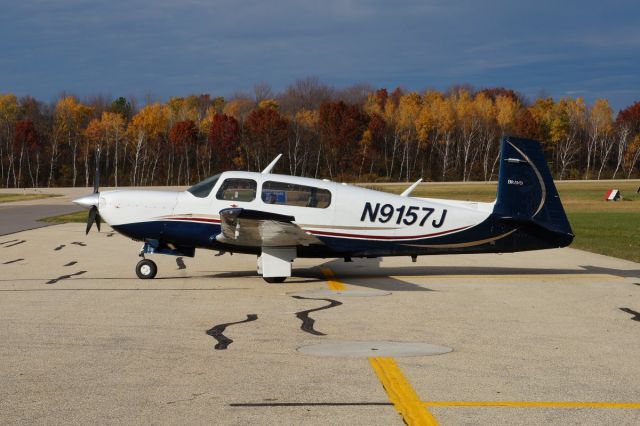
(9,198)
(75,217)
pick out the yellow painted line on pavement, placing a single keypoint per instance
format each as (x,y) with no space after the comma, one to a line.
(331,280)
(549,404)
(401,393)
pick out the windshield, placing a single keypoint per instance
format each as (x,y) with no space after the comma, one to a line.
(203,189)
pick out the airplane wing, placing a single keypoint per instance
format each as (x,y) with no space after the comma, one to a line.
(256,228)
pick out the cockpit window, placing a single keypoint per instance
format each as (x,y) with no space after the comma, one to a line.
(237,190)
(203,189)
(295,195)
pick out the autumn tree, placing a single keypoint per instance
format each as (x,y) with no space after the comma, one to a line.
(303,146)
(239,109)
(627,128)
(26,140)
(341,128)
(183,137)
(106,134)
(567,127)
(8,118)
(488,115)
(372,145)
(71,118)
(114,133)
(267,133)
(600,130)
(224,142)
(409,108)
(444,125)
(147,132)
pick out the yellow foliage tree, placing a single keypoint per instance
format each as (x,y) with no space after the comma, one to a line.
(149,125)
(8,117)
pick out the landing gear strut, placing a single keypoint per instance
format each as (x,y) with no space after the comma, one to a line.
(146,269)
(274,263)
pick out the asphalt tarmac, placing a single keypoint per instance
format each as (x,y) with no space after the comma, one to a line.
(24,215)
(546,337)
(22,218)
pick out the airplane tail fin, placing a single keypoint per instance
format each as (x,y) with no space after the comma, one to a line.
(527,196)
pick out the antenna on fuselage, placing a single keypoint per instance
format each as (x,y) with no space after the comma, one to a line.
(411,188)
(271,165)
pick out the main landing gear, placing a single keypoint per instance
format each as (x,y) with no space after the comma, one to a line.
(274,263)
(146,269)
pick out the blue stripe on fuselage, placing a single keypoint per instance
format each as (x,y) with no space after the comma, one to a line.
(192,234)
(202,235)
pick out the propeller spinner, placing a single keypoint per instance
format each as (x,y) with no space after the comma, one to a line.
(91,201)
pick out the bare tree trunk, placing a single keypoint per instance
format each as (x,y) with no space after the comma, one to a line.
(591,144)
(33,184)
(634,160)
(54,155)
(37,169)
(75,153)
(86,165)
(606,150)
(473,161)
(179,170)
(153,170)
(124,161)
(1,162)
(622,145)
(137,158)
(393,152)
(20,166)
(404,151)
(315,175)
(188,174)
(466,149)
(487,154)
(11,168)
(115,174)
(106,163)
(566,154)
(445,157)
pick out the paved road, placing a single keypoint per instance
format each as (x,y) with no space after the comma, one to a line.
(82,341)
(16,218)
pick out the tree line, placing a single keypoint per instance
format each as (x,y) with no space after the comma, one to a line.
(355,134)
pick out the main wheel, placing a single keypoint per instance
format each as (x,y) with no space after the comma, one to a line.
(146,269)
(273,280)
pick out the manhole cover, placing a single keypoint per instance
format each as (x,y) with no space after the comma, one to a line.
(374,348)
(322,294)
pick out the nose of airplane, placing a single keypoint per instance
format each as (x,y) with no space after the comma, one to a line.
(88,200)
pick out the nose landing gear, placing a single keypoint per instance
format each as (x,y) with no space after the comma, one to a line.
(146,269)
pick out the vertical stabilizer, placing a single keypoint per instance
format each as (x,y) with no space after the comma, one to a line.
(526,192)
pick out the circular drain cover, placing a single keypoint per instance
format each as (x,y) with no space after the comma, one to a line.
(323,294)
(375,348)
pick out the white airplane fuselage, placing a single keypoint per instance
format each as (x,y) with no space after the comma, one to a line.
(355,216)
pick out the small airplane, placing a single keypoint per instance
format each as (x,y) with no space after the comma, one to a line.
(280,218)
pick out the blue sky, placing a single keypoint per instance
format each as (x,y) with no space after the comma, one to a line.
(178,47)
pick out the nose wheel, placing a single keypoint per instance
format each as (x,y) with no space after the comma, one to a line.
(146,269)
